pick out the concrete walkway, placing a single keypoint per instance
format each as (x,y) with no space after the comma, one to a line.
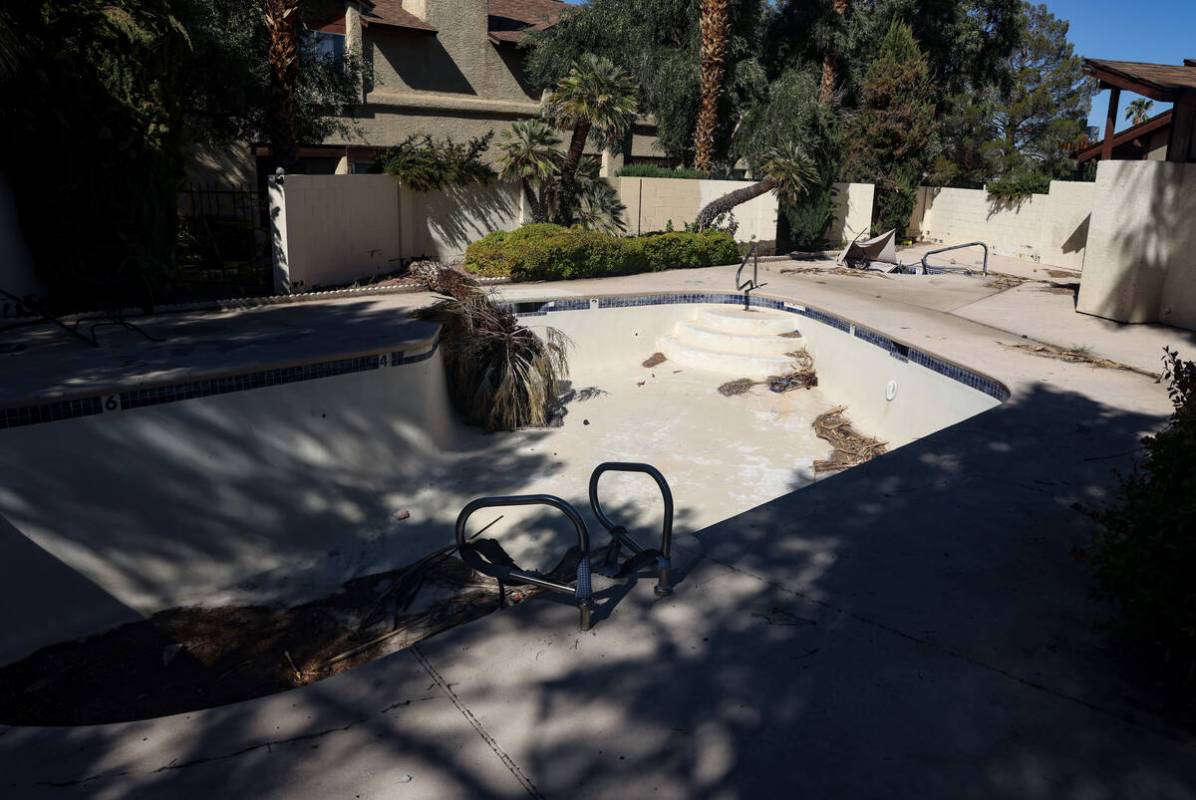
(915,627)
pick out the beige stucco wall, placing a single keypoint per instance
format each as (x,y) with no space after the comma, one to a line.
(441,224)
(1050,228)
(1141,260)
(853,211)
(16,264)
(220,167)
(335,229)
(653,202)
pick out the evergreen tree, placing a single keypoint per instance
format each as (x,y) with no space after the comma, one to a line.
(894,135)
(1045,109)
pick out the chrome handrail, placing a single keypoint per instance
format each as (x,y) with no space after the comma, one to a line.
(752,283)
(926,267)
(619,533)
(582,592)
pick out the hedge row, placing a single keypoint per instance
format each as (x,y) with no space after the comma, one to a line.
(544,252)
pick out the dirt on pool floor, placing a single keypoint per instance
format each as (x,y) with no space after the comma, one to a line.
(184,659)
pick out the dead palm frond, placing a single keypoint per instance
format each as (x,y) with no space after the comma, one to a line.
(501,375)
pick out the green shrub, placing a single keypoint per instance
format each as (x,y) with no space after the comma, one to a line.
(496,255)
(534,230)
(550,252)
(1015,188)
(653,171)
(678,249)
(1145,556)
(575,253)
(810,219)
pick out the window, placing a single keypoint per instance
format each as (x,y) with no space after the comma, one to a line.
(330,46)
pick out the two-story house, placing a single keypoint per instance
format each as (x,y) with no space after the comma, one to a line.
(438,67)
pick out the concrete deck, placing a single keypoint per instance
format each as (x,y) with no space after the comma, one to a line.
(914,627)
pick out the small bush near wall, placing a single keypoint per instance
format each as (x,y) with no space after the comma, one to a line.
(497,254)
(549,252)
(653,171)
(1145,556)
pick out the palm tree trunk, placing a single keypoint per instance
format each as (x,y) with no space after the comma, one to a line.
(830,61)
(534,204)
(282,21)
(714,25)
(728,201)
(567,201)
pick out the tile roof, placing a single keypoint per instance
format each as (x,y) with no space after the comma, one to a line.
(391,13)
(510,20)
(1164,82)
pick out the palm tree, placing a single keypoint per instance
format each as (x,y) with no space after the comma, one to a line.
(599,207)
(283,23)
(1138,111)
(531,156)
(595,98)
(830,66)
(714,23)
(788,173)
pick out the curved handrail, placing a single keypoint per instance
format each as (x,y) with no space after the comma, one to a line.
(580,593)
(752,283)
(926,267)
(619,533)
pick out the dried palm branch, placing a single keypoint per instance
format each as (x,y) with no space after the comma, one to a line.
(501,375)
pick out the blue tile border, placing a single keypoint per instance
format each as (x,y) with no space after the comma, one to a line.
(898,350)
(54,411)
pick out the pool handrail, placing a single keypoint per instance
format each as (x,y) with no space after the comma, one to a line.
(926,266)
(619,533)
(580,593)
(752,283)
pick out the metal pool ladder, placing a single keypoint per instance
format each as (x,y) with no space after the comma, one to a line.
(619,538)
(488,557)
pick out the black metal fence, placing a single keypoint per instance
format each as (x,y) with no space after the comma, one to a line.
(224,244)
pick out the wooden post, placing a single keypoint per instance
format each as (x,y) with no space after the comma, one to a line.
(1183,129)
(1106,151)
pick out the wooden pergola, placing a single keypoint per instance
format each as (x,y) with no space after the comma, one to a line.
(1165,83)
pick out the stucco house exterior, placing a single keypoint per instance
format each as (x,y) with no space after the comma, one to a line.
(437,67)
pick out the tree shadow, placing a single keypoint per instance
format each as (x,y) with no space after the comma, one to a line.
(1151,281)
(455,216)
(914,627)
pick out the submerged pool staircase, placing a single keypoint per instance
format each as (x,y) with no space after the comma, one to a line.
(731,341)
(488,556)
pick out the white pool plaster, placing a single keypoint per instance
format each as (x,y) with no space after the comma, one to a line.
(279,494)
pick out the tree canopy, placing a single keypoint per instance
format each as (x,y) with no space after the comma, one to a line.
(100,108)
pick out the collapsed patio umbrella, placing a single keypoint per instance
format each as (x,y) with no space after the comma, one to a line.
(878,253)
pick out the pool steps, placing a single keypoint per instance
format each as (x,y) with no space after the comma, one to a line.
(733,342)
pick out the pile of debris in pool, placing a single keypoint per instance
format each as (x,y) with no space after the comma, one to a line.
(184,659)
(803,377)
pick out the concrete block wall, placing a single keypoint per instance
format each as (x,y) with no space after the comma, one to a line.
(17,275)
(1049,228)
(330,230)
(853,211)
(653,202)
(333,229)
(1141,260)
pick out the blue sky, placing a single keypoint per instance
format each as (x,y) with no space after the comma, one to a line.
(1159,31)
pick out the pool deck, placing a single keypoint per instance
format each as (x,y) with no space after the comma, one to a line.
(914,627)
